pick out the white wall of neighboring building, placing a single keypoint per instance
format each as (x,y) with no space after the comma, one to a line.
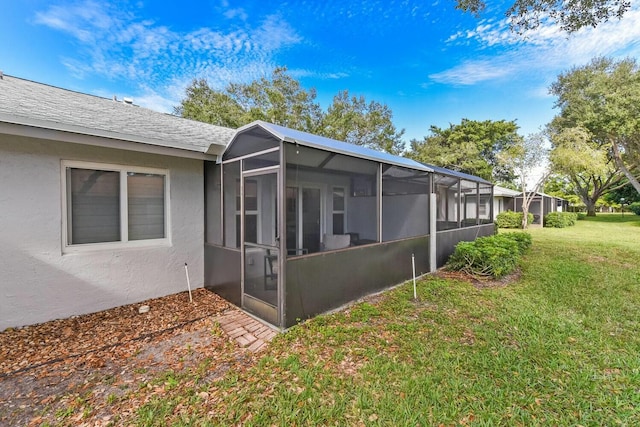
(38,282)
(498,206)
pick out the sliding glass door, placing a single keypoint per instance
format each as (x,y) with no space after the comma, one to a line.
(304,220)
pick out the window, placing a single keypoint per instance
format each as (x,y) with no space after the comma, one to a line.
(338,210)
(114,204)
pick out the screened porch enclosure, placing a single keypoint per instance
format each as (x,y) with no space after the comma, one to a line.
(297,224)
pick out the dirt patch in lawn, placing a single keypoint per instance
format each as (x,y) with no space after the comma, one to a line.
(480,282)
(98,369)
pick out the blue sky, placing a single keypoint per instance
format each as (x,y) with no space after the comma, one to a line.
(431,64)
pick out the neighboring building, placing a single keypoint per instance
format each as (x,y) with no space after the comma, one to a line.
(540,205)
(503,200)
(103,202)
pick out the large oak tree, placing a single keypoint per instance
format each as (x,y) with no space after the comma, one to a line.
(603,97)
(587,165)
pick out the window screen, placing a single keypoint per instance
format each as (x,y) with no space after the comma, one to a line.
(94,206)
(145,193)
(97,200)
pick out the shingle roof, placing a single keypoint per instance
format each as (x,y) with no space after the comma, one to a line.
(505,192)
(35,104)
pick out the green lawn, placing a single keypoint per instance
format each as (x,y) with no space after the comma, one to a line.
(561,346)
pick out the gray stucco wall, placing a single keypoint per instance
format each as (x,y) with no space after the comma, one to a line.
(39,283)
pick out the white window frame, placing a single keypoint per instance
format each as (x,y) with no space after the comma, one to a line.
(343,211)
(124,241)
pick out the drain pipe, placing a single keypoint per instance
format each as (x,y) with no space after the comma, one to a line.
(433,230)
(186,271)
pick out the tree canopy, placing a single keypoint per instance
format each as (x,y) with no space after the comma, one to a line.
(528,158)
(471,147)
(626,193)
(586,164)
(570,15)
(603,98)
(352,119)
(280,99)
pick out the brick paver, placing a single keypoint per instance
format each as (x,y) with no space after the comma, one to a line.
(245,330)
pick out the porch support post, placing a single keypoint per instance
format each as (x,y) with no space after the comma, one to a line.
(433,211)
(379,201)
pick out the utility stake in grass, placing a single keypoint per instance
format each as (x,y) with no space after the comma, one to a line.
(186,271)
(413,266)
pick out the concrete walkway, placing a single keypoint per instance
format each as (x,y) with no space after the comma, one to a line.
(248,332)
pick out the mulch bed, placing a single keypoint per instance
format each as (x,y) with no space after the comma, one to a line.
(73,371)
(480,282)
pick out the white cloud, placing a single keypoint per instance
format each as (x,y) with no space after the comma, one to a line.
(236,13)
(543,52)
(471,72)
(117,44)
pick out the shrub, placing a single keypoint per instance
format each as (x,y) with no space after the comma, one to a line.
(522,239)
(581,216)
(560,219)
(510,219)
(493,256)
(634,207)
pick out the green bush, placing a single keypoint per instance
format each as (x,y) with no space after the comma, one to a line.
(493,256)
(560,219)
(522,239)
(634,207)
(581,216)
(510,219)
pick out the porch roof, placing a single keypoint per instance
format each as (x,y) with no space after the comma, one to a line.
(461,175)
(323,143)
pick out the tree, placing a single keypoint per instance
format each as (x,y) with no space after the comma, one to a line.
(204,104)
(570,15)
(281,100)
(603,97)
(586,163)
(352,119)
(471,147)
(626,193)
(559,185)
(528,157)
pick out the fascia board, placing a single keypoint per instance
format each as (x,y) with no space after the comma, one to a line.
(99,139)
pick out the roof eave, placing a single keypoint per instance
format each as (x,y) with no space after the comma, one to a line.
(79,135)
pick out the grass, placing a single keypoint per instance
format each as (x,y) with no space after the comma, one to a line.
(558,347)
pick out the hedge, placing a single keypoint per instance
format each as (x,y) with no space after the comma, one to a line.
(634,207)
(491,256)
(560,219)
(510,219)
